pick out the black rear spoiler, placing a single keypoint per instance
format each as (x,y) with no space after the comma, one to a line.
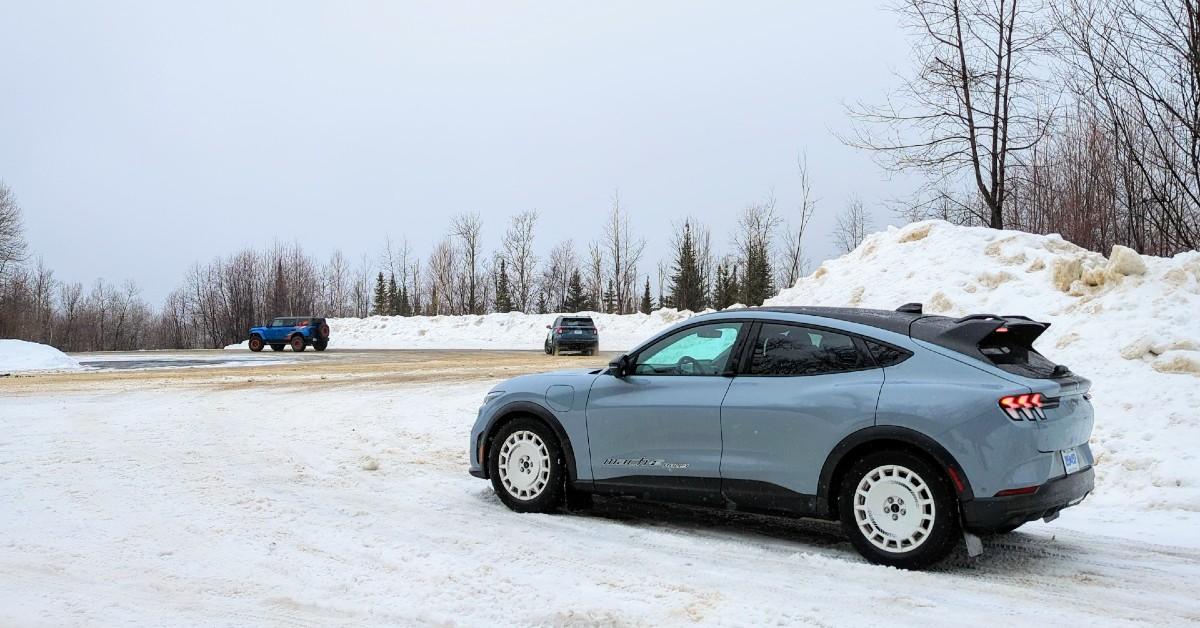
(965,334)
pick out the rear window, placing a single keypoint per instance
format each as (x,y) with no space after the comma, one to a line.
(1010,355)
(577,322)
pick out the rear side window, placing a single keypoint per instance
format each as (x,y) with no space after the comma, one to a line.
(794,350)
(886,355)
(577,322)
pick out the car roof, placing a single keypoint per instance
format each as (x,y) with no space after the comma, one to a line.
(889,320)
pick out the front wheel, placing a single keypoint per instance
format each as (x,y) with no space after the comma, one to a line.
(898,510)
(297,343)
(527,467)
(256,344)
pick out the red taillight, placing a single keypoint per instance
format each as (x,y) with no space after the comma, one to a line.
(1001,330)
(1009,492)
(558,330)
(1019,407)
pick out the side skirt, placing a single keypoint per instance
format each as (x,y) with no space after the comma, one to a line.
(741,495)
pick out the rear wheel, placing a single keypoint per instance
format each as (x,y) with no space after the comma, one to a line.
(320,345)
(297,343)
(277,347)
(256,343)
(554,350)
(898,510)
(527,468)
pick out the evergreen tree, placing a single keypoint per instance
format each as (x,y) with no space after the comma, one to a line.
(687,287)
(757,284)
(541,303)
(393,297)
(610,302)
(405,305)
(381,300)
(725,291)
(645,309)
(577,300)
(503,296)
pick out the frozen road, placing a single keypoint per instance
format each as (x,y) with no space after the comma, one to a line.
(243,496)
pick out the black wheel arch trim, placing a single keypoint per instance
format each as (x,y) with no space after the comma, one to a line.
(826,504)
(546,416)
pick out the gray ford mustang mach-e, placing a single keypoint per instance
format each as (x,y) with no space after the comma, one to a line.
(913,430)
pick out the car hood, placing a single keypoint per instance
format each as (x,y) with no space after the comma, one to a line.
(537,382)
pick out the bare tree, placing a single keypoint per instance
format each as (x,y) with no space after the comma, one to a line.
(972,105)
(794,264)
(624,253)
(1143,62)
(518,253)
(757,225)
(852,226)
(467,228)
(12,239)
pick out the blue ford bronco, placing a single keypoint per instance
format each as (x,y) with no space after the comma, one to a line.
(297,331)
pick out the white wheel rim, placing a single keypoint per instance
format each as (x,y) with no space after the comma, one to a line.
(894,509)
(524,465)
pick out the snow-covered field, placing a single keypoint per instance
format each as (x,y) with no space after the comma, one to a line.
(230,500)
(238,505)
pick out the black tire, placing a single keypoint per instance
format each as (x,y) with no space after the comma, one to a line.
(546,347)
(277,347)
(297,343)
(555,351)
(932,540)
(320,345)
(256,343)
(547,476)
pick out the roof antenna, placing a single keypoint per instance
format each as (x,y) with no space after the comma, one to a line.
(911,308)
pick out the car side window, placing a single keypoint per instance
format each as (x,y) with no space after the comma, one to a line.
(277,322)
(886,355)
(700,350)
(795,350)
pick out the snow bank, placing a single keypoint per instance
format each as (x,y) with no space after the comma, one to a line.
(1131,323)
(18,355)
(512,330)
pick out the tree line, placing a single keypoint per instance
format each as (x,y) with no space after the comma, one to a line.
(218,301)
(1079,117)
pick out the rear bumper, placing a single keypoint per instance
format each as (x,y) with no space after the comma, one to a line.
(995,513)
(573,343)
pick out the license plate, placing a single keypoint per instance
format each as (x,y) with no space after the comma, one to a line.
(577,331)
(1070,460)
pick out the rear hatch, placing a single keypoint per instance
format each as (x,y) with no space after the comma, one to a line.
(1065,417)
(578,329)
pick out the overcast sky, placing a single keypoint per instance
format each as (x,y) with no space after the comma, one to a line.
(142,137)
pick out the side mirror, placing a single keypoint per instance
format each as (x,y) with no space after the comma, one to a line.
(547,327)
(619,367)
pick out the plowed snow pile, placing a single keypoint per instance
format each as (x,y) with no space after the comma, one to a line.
(1130,323)
(17,356)
(509,331)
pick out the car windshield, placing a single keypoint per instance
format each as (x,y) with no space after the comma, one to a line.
(577,322)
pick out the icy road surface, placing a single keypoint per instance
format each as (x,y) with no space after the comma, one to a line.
(227,497)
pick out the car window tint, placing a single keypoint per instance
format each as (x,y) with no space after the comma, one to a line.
(794,350)
(886,355)
(577,322)
(700,350)
(277,322)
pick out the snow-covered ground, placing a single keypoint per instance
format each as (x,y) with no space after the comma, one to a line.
(315,502)
(229,505)
(17,356)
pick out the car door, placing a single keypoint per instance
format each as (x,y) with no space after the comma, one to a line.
(656,431)
(803,389)
(276,330)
